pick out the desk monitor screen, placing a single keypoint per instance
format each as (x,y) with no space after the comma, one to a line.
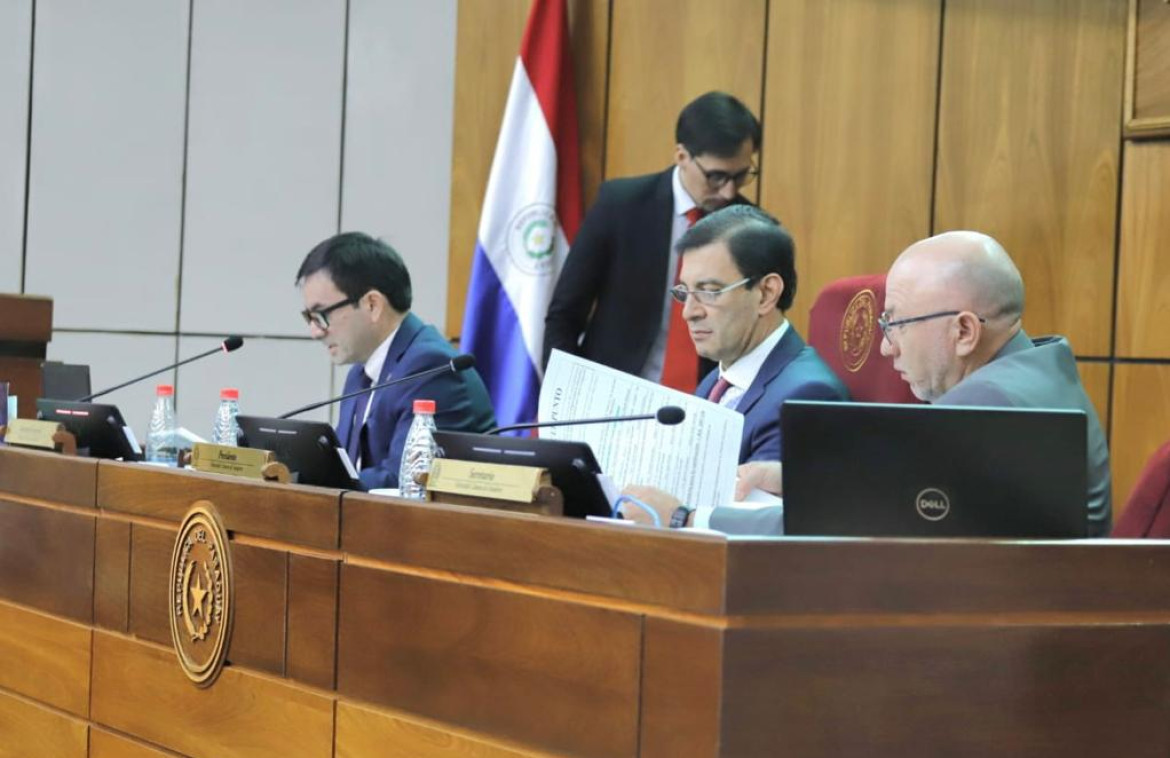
(308,448)
(64,381)
(873,470)
(100,429)
(571,465)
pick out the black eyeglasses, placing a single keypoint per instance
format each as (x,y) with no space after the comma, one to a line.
(886,325)
(706,297)
(716,179)
(319,317)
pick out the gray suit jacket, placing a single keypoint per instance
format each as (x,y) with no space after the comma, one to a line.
(1025,373)
(1042,373)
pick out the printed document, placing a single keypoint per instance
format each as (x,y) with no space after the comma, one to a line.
(695,461)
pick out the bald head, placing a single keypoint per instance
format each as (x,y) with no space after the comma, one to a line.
(969,270)
(952,301)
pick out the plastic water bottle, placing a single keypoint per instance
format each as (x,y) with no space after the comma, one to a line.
(160,438)
(419,450)
(226,431)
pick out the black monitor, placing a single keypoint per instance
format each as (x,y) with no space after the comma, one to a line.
(64,381)
(571,465)
(868,469)
(309,448)
(100,430)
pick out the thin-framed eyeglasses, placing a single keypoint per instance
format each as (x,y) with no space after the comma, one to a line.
(706,297)
(716,179)
(886,325)
(319,317)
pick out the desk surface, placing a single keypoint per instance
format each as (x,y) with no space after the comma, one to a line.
(368,625)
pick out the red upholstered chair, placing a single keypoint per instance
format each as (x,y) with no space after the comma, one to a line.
(843,328)
(1147,513)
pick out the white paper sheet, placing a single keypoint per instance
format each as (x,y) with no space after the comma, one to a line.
(695,461)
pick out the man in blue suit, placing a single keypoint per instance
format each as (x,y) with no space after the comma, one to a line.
(357,298)
(738,279)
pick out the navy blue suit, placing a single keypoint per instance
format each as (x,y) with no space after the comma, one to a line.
(792,371)
(461,401)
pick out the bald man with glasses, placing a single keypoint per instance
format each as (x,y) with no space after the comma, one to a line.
(611,304)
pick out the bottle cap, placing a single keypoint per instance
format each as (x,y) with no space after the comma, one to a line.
(165,390)
(229,393)
(424,406)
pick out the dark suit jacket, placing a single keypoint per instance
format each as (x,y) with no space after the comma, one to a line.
(792,371)
(461,401)
(618,263)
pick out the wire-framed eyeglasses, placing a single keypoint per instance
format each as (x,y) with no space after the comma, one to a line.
(716,179)
(706,297)
(886,325)
(319,317)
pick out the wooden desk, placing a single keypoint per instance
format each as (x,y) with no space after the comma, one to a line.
(368,626)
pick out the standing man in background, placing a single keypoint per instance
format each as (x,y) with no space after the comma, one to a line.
(357,296)
(612,303)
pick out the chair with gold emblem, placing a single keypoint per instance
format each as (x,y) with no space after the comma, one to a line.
(843,327)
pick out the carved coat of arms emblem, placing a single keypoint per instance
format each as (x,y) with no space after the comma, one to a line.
(201,594)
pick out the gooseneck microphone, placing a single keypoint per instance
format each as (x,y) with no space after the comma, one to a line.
(455,365)
(227,346)
(667,415)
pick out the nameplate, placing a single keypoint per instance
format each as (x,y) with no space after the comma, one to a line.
(29,433)
(227,459)
(490,480)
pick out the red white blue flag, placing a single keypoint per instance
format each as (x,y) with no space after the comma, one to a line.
(531,213)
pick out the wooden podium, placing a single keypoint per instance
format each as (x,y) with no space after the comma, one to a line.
(367,626)
(26,326)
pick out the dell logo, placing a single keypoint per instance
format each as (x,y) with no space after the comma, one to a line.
(932,504)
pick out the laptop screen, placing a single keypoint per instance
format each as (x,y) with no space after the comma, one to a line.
(868,469)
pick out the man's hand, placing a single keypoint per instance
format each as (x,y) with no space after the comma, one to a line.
(764,475)
(662,502)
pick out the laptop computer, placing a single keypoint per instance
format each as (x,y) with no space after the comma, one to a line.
(64,381)
(100,430)
(571,465)
(879,470)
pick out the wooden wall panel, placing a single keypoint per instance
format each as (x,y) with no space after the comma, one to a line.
(364,732)
(44,658)
(312,620)
(529,668)
(673,694)
(50,476)
(243,714)
(27,729)
(1029,129)
(664,54)
(258,634)
(1095,376)
(1141,424)
(848,155)
(1149,67)
(887,691)
(103,744)
(483,73)
(307,515)
(1143,299)
(111,594)
(150,567)
(46,559)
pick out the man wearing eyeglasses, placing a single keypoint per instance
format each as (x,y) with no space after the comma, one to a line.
(357,298)
(611,303)
(952,325)
(738,279)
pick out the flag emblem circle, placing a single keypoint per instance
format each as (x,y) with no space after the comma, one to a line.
(532,237)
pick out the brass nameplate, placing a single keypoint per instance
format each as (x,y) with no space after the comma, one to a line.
(495,480)
(29,433)
(227,459)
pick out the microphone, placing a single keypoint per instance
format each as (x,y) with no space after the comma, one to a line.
(667,415)
(455,365)
(227,346)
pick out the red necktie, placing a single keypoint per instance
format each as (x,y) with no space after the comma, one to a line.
(716,393)
(680,368)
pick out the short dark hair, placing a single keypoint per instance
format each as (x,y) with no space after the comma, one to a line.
(716,124)
(358,263)
(759,245)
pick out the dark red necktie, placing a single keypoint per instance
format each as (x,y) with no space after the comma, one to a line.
(716,393)
(680,368)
